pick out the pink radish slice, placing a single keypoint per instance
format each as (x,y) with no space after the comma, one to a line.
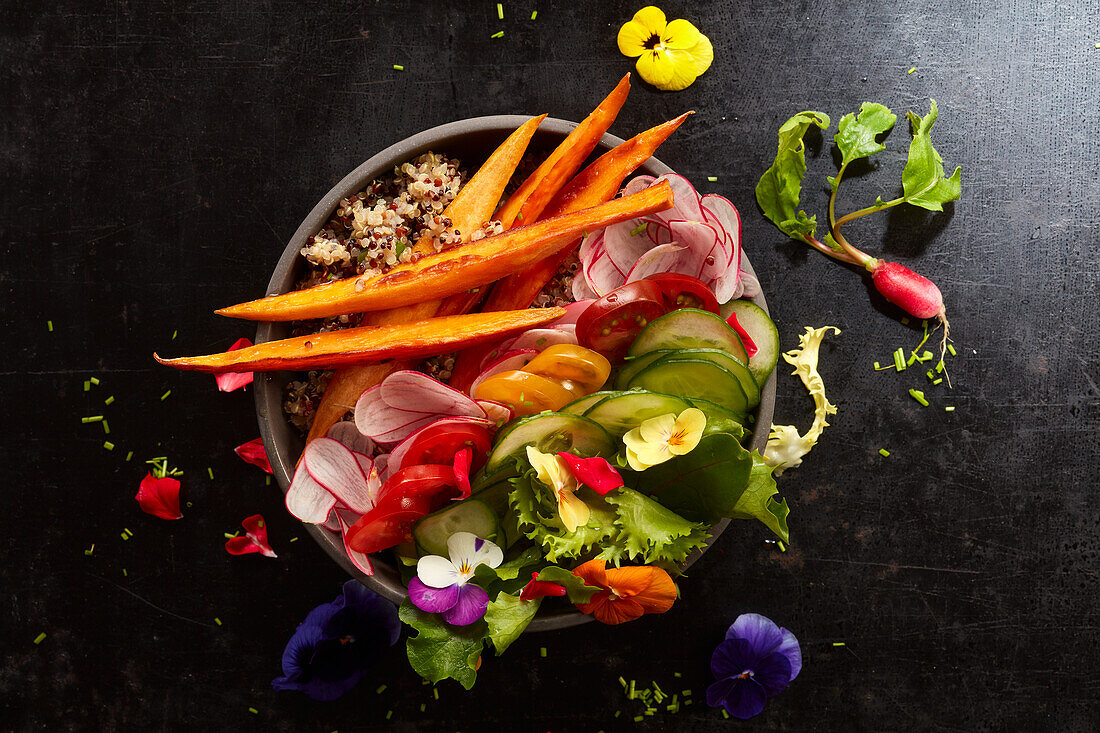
(581,289)
(638,183)
(497,412)
(396,459)
(308,500)
(405,402)
(542,338)
(382,465)
(624,248)
(516,359)
(332,524)
(726,215)
(663,258)
(686,198)
(346,432)
(572,312)
(360,560)
(658,232)
(600,271)
(710,256)
(335,467)
(750,286)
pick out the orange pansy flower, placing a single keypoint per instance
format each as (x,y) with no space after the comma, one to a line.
(629,592)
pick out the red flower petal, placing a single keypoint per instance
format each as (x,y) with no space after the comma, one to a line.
(595,473)
(255,539)
(229,381)
(462,472)
(540,588)
(159,497)
(253,452)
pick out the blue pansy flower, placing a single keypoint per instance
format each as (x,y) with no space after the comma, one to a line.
(757,660)
(338,643)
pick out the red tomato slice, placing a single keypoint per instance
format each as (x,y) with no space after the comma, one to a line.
(612,323)
(438,444)
(685,291)
(425,481)
(388,524)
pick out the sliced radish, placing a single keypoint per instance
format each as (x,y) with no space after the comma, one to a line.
(663,258)
(397,457)
(346,432)
(543,338)
(407,401)
(638,183)
(337,469)
(332,524)
(572,313)
(308,500)
(360,560)
(497,412)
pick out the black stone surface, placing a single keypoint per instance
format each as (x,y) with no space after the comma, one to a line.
(157,155)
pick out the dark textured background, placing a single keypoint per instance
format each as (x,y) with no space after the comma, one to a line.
(157,155)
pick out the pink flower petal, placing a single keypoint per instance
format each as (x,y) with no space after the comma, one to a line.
(229,381)
(159,497)
(595,473)
(255,539)
(253,452)
(462,472)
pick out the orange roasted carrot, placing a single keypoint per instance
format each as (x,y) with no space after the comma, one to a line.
(597,183)
(454,270)
(529,200)
(368,343)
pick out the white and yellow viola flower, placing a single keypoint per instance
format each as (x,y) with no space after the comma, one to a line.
(551,470)
(671,56)
(660,438)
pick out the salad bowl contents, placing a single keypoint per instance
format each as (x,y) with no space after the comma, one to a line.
(532,395)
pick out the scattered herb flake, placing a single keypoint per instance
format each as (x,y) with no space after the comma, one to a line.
(106,427)
(398,67)
(109,400)
(87,385)
(838,643)
(535,14)
(90,550)
(210,472)
(636,231)
(884,453)
(40,638)
(949,408)
(164,396)
(678,674)
(918,396)
(124,573)
(899,359)
(94,380)
(389,714)
(49,326)
(218,621)
(937,381)
(500,11)
(124,536)
(498,34)
(542,652)
(91,418)
(712,179)
(254,711)
(782,548)
(435,692)
(129,455)
(174,334)
(293,539)
(108,445)
(911,70)
(951,349)
(380,690)
(423,707)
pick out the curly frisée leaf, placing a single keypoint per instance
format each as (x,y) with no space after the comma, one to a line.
(439,651)
(507,617)
(780,188)
(758,501)
(923,181)
(651,533)
(539,520)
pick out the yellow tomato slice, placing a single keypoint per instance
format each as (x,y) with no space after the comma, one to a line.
(578,368)
(524,392)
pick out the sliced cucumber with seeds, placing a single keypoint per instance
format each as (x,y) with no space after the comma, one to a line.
(549,432)
(694,378)
(689,328)
(496,496)
(579,407)
(762,331)
(726,361)
(431,532)
(627,410)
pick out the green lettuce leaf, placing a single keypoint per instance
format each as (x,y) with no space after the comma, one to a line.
(758,501)
(440,651)
(651,533)
(780,188)
(923,181)
(856,136)
(507,617)
(537,512)
(705,484)
(575,586)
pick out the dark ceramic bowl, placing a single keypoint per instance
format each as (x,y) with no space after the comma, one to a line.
(471,141)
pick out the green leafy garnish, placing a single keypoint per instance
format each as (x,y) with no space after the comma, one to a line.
(507,617)
(758,500)
(650,533)
(923,178)
(537,511)
(439,651)
(780,188)
(703,485)
(575,586)
(857,136)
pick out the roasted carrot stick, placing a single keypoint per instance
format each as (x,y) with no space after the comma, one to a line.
(454,270)
(597,183)
(368,343)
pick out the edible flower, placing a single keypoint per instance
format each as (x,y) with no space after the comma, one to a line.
(628,592)
(338,643)
(595,473)
(253,452)
(671,56)
(254,540)
(540,589)
(229,381)
(443,586)
(159,496)
(756,660)
(660,438)
(786,446)
(551,470)
(461,468)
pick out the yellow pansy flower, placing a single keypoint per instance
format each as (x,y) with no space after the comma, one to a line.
(551,470)
(660,438)
(670,55)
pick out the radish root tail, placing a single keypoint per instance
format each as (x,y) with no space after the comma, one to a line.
(942,317)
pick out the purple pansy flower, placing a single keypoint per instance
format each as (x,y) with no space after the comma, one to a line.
(338,643)
(757,660)
(443,586)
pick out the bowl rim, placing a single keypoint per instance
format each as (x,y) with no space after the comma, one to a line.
(268,386)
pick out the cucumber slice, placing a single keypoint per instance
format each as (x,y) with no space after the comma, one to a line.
(693,378)
(689,328)
(431,532)
(637,364)
(549,432)
(496,496)
(727,362)
(627,410)
(719,419)
(762,330)
(579,407)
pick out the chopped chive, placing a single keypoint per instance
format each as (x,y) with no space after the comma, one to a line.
(49,326)
(218,621)
(877,366)
(677,674)
(210,472)
(904,321)
(926,355)
(500,12)
(688,702)
(542,652)
(725,714)
(951,349)
(639,718)
(937,381)
(618,713)
(949,408)
(782,548)
(899,360)
(91,418)
(435,692)
(918,396)
(87,385)
(389,714)
(254,711)
(40,638)
(638,230)
(685,693)
(129,456)
(90,550)
(108,445)
(519,215)
(712,179)
(911,70)
(423,707)
(109,400)
(884,453)
(398,67)
(106,428)
(94,380)
(124,573)
(535,14)
(912,358)
(230,536)
(931,375)
(498,34)
(174,334)
(127,531)
(124,536)
(380,689)
(164,396)
(838,643)
(293,539)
